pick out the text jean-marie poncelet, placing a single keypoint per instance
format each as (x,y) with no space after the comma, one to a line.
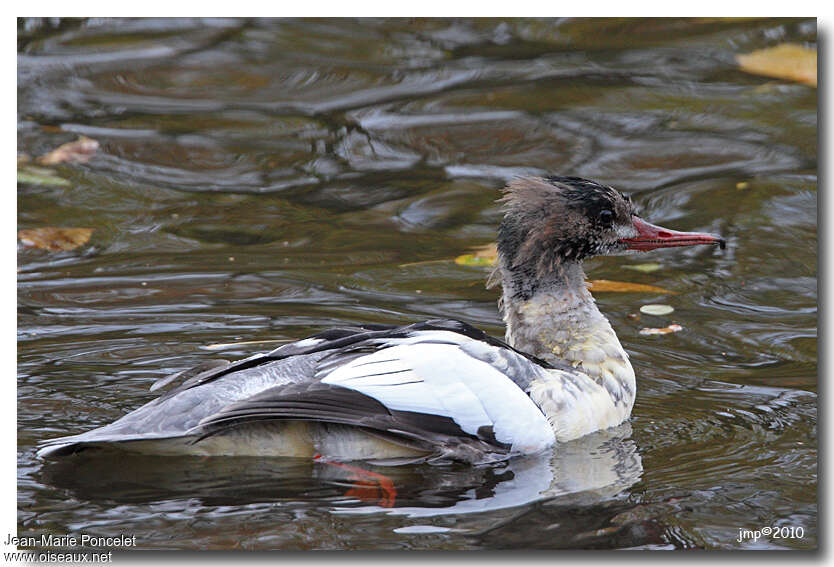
(82,540)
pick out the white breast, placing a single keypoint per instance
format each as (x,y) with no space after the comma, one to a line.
(576,405)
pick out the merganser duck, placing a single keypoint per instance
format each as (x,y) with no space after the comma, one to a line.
(438,390)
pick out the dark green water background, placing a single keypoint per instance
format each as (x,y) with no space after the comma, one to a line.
(267,179)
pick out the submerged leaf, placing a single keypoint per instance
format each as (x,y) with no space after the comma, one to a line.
(657,309)
(646,268)
(674,328)
(79,151)
(55,239)
(624,287)
(422,263)
(785,61)
(40,176)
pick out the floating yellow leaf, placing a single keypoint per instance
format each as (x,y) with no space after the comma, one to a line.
(655,309)
(661,331)
(55,239)
(472,260)
(481,256)
(785,61)
(79,151)
(625,287)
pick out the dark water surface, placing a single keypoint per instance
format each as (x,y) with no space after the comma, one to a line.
(264,179)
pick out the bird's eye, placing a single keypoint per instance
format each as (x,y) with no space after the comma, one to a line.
(606,217)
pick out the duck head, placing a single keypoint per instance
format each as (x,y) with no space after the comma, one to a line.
(552,223)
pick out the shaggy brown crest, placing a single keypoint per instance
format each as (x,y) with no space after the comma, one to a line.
(549,221)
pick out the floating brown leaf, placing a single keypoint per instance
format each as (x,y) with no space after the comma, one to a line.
(624,287)
(784,61)
(79,151)
(55,239)
(674,328)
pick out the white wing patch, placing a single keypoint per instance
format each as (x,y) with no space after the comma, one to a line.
(441,379)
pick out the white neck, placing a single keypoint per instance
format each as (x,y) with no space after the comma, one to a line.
(560,323)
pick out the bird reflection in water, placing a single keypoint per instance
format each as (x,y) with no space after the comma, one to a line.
(585,471)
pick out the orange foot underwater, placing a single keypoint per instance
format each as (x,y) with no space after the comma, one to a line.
(368,486)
